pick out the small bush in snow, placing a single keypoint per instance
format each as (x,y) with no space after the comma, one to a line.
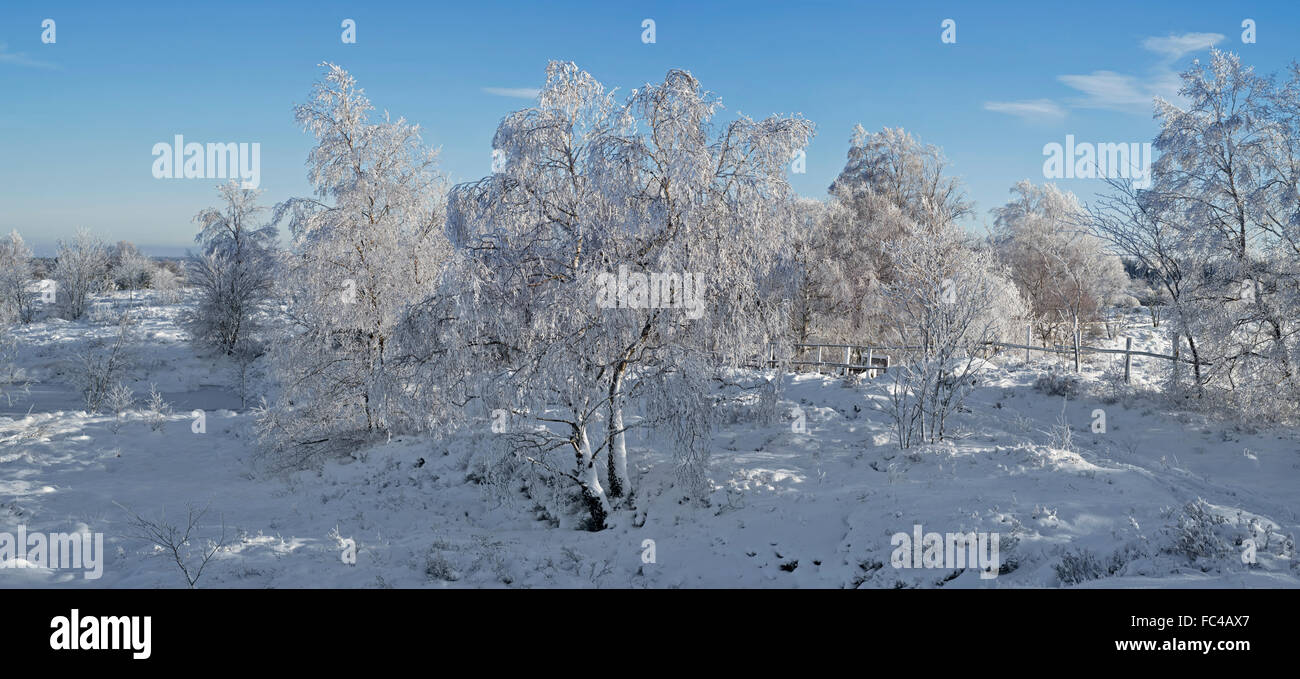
(128,268)
(1057,383)
(157,410)
(101,366)
(167,284)
(117,401)
(1084,565)
(175,543)
(1077,567)
(1200,534)
(438,567)
(1061,435)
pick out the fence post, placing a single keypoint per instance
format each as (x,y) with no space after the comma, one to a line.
(819,359)
(1128,357)
(871,371)
(848,359)
(1029,336)
(1077,339)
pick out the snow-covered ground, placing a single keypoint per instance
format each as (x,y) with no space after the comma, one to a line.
(1160,498)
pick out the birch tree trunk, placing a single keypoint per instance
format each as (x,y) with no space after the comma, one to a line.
(619,484)
(593,494)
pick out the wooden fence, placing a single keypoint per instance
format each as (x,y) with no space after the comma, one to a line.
(873,360)
(868,358)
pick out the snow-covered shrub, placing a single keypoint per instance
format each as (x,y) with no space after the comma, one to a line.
(1061,434)
(1079,566)
(101,365)
(234,272)
(16,303)
(80,271)
(489,464)
(128,268)
(741,396)
(1214,541)
(157,411)
(103,312)
(1057,382)
(948,301)
(117,402)
(1202,535)
(438,567)
(1115,390)
(167,284)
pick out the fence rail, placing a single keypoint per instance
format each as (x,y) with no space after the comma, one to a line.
(876,362)
(872,364)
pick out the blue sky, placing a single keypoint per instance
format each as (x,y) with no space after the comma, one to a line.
(79,117)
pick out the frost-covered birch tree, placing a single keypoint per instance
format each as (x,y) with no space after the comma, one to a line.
(129,268)
(714,199)
(1227,179)
(366,246)
(234,270)
(592,194)
(16,273)
(1061,268)
(80,271)
(948,301)
(898,167)
(892,188)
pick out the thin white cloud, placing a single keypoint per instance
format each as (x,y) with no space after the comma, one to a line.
(516,92)
(1031,109)
(1133,94)
(21,59)
(1110,90)
(1177,46)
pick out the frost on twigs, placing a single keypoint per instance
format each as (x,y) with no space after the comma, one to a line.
(80,272)
(234,272)
(17,304)
(946,304)
(373,230)
(178,544)
(589,188)
(103,364)
(157,411)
